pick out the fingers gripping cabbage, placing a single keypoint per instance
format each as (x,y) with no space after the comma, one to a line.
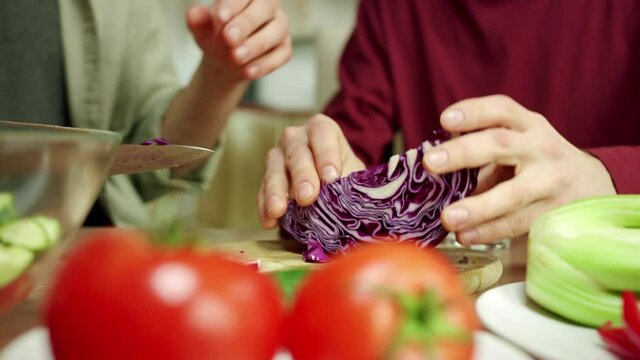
(397,201)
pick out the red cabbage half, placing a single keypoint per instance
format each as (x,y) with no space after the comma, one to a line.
(397,201)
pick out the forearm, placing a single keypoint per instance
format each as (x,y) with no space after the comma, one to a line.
(198,114)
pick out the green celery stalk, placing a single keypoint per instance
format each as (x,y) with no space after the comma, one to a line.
(582,255)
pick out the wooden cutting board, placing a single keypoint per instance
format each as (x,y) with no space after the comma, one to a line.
(478,269)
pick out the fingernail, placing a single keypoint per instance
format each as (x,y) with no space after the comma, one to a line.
(253,71)
(305,191)
(233,34)
(468,237)
(241,52)
(329,173)
(436,158)
(224,14)
(457,216)
(273,202)
(452,118)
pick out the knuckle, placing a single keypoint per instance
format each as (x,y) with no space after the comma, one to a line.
(489,231)
(538,123)
(321,123)
(279,30)
(279,189)
(283,30)
(316,124)
(298,161)
(458,152)
(287,56)
(564,180)
(272,155)
(293,157)
(561,199)
(243,25)
(507,105)
(256,46)
(505,100)
(281,14)
(561,188)
(240,25)
(270,180)
(503,138)
(298,174)
(553,150)
(273,6)
(519,196)
(517,223)
(538,118)
(288,49)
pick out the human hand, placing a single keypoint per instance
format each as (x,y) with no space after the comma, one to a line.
(526,168)
(305,156)
(249,38)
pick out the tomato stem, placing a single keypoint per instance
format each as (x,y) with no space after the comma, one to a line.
(423,323)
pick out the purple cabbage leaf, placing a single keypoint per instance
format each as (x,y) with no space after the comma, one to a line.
(397,201)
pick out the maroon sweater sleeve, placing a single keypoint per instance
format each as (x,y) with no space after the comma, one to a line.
(364,107)
(623,164)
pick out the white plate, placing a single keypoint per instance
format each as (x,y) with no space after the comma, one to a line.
(34,345)
(508,312)
(490,347)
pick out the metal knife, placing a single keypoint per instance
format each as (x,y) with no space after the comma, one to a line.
(131,158)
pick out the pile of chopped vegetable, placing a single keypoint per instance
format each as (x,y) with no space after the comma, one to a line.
(21,239)
(583,255)
(155,141)
(397,201)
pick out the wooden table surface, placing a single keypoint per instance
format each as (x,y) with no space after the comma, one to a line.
(26,315)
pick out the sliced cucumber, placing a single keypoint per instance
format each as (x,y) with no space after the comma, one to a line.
(13,262)
(27,233)
(7,208)
(51,228)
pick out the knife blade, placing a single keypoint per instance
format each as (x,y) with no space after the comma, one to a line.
(132,158)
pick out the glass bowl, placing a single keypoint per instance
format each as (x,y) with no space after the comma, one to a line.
(50,176)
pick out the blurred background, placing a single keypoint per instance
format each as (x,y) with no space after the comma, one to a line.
(286,97)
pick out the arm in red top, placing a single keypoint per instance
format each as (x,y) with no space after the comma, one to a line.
(364,107)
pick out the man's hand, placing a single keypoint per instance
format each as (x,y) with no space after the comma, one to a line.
(527,168)
(249,38)
(306,156)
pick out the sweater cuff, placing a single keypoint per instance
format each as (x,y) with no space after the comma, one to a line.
(623,164)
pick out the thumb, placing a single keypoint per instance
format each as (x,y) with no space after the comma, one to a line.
(200,23)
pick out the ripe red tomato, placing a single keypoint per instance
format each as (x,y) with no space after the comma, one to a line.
(383,301)
(118,297)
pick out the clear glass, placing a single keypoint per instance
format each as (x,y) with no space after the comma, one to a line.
(54,172)
(450,241)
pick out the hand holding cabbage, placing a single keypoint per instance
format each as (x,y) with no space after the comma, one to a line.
(527,168)
(305,156)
